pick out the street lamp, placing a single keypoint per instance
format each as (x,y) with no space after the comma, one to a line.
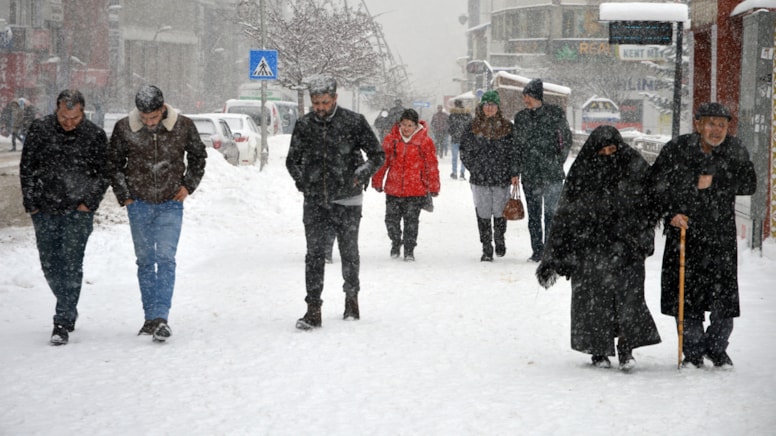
(78,61)
(161,30)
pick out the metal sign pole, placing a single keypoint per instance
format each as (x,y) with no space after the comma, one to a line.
(264,145)
(677,109)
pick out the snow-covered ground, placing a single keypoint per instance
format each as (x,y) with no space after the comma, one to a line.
(447,345)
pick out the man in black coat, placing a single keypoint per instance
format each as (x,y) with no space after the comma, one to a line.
(694,182)
(326,162)
(63,181)
(543,142)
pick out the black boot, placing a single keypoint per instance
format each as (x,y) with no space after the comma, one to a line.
(351,307)
(486,237)
(311,319)
(395,248)
(499,230)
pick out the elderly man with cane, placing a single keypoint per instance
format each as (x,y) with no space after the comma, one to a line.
(694,182)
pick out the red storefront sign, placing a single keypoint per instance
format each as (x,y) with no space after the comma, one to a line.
(17,70)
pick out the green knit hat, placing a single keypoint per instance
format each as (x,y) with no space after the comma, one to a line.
(490,97)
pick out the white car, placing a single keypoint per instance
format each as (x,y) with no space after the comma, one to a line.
(110,120)
(246,135)
(215,133)
(280,115)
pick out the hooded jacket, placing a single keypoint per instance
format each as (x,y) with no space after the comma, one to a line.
(325,156)
(152,166)
(60,170)
(411,167)
(488,150)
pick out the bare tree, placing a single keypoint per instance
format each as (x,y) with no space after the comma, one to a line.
(317,37)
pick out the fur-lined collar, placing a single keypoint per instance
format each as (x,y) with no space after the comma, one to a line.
(135,124)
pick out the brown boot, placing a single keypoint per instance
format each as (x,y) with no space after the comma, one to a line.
(311,319)
(351,307)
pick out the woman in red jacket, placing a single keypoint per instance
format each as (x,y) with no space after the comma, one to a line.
(412,172)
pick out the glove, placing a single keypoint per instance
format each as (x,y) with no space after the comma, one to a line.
(546,275)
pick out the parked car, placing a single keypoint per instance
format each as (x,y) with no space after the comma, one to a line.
(215,132)
(246,135)
(109,120)
(280,115)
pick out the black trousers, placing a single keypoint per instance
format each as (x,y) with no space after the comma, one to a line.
(61,241)
(320,222)
(407,209)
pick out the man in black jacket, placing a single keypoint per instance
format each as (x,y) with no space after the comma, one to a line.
(326,162)
(63,181)
(543,142)
(694,183)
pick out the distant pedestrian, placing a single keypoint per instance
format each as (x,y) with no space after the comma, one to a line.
(488,150)
(543,140)
(459,120)
(394,114)
(410,173)
(695,180)
(601,235)
(63,181)
(157,160)
(13,122)
(325,159)
(382,124)
(440,130)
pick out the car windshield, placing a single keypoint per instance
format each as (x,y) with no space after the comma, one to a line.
(205,127)
(253,111)
(235,123)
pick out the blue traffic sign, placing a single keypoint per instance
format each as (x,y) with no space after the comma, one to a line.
(263,65)
(421,103)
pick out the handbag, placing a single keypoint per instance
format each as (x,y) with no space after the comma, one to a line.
(514,208)
(428,204)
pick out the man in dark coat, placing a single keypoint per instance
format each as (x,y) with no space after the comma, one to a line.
(459,120)
(694,181)
(543,142)
(440,129)
(326,162)
(63,180)
(601,235)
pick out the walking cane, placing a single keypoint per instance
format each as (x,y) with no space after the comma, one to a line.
(680,323)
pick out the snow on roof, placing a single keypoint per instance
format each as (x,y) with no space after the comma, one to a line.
(748,5)
(641,11)
(551,87)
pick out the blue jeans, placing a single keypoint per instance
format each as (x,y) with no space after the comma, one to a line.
(455,148)
(156,229)
(61,241)
(536,195)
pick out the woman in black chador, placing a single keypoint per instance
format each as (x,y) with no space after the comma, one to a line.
(601,234)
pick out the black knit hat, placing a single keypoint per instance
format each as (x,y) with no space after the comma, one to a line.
(535,89)
(712,110)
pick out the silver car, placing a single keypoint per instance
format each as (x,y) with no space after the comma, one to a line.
(215,132)
(246,135)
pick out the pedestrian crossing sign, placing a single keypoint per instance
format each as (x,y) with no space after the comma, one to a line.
(263,65)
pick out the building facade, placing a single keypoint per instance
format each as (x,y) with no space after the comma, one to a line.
(109,48)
